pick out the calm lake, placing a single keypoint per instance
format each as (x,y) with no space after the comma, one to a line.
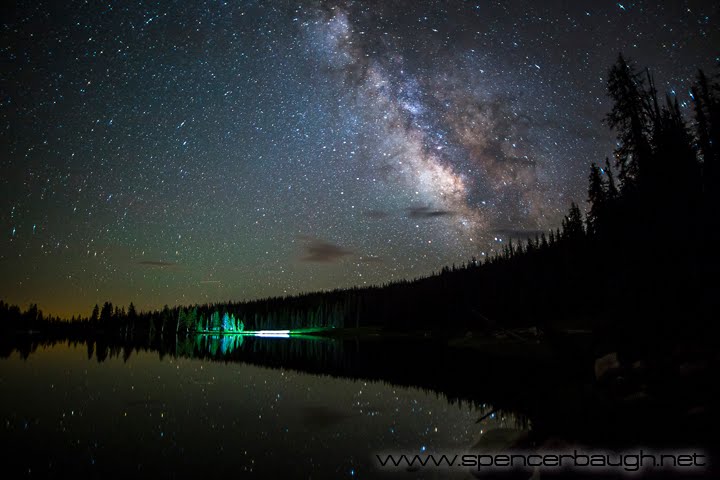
(285,407)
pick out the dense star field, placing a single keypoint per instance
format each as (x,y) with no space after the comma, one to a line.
(183,152)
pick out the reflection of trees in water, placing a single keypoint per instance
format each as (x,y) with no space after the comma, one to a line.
(191,346)
(462,376)
(240,347)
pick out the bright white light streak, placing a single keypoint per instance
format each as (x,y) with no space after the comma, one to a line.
(273,333)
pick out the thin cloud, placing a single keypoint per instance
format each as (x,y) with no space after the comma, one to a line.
(427,213)
(157,263)
(320,251)
(376,214)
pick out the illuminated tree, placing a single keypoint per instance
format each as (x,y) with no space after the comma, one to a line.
(215,321)
(191,319)
(227,325)
(180,320)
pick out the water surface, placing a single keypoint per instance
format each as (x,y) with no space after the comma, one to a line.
(141,413)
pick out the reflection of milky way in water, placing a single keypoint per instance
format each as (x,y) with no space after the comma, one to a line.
(182,153)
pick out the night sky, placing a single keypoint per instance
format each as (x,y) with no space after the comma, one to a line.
(183,152)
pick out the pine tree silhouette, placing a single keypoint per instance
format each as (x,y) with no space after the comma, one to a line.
(629,117)
(597,198)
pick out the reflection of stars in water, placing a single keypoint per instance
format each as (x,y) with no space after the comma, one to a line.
(219,412)
(148,150)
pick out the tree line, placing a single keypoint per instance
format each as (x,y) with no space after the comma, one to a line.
(643,259)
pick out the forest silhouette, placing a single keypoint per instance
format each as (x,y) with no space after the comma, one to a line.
(641,264)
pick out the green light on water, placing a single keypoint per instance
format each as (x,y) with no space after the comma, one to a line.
(264,333)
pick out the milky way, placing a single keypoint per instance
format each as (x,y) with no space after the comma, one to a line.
(205,151)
